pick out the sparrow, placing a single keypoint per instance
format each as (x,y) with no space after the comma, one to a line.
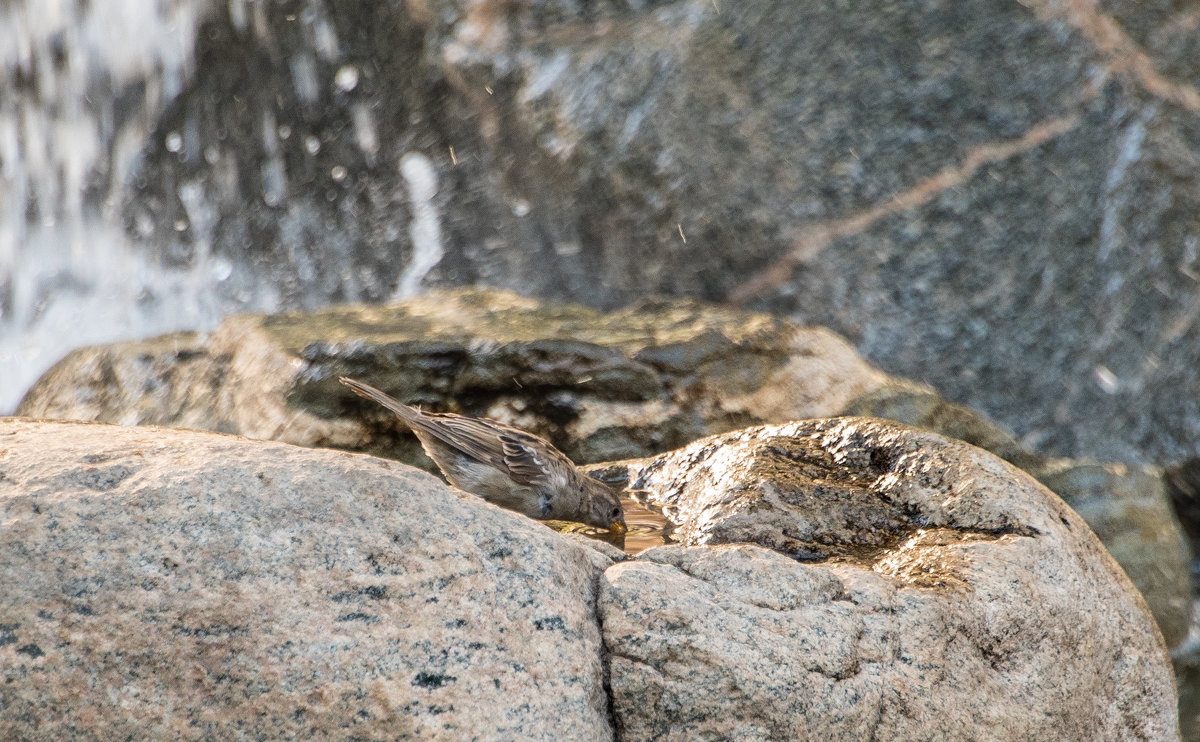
(506,466)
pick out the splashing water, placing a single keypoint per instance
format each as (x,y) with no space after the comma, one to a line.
(69,274)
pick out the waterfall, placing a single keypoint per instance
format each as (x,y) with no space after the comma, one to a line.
(84,84)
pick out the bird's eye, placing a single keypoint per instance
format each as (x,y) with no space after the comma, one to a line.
(616,512)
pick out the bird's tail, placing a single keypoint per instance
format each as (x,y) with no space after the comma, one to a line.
(406,413)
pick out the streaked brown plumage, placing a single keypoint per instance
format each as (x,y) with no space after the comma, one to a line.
(505,465)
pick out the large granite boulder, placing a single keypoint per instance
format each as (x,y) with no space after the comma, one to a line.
(1128,506)
(163,584)
(916,588)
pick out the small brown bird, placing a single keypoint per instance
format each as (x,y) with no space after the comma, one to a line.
(506,466)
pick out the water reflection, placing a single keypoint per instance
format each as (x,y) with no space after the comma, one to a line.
(647,528)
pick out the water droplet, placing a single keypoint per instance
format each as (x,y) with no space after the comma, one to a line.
(174,142)
(221,269)
(521,208)
(338,173)
(312,144)
(346,78)
(180,225)
(285,131)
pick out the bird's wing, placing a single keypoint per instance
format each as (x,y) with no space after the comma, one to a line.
(472,436)
(487,441)
(522,460)
(504,448)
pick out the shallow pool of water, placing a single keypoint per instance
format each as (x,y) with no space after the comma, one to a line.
(647,528)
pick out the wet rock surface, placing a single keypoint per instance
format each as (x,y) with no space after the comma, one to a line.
(169,584)
(786,487)
(600,386)
(956,599)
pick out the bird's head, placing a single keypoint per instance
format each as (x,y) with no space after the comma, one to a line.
(601,506)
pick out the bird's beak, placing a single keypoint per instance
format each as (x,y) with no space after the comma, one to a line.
(617,528)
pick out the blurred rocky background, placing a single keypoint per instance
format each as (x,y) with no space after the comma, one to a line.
(999,201)
(984,197)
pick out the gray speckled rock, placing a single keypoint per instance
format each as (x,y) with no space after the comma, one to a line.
(955,598)
(162,584)
(1127,506)
(170,380)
